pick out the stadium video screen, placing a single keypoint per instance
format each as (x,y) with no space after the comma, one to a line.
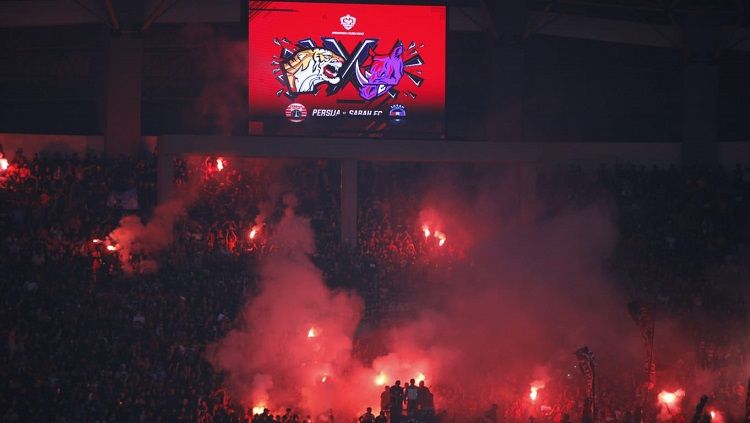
(341,69)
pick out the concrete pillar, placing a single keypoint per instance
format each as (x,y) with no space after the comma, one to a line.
(124,61)
(699,127)
(505,120)
(702,35)
(349,202)
(122,132)
(164,177)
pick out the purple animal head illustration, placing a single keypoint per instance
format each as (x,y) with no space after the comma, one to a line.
(384,73)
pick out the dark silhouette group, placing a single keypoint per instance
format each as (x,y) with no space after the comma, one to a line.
(418,400)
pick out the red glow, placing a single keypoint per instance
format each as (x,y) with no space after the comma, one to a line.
(441,236)
(253,232)
(312,333)
(3,164)
(111,248)
(258,409)
(534,389)
(220,164)
(670,399)
(716,416)
(324,378)
(420,377)
(426,231)
(381,379)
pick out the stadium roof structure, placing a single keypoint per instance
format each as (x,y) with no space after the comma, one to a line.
(659,23)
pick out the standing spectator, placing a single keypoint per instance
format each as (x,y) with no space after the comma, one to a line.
(412,395)
(385,398)
(397,401)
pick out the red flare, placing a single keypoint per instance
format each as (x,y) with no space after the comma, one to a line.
(111,248)
(534,389)
(442,238)
(220,164)
(671,398)
(312,333)
(426,231)
(3,164)
(253,232)
(381,379)
(420,377)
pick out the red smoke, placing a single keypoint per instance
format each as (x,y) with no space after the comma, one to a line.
(294,334)
(133,236)
(531,296)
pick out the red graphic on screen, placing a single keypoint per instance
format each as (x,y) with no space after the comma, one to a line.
(342,60)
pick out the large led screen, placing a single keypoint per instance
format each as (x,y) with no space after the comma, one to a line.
(337,69)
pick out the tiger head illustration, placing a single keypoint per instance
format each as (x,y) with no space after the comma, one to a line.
(310,67)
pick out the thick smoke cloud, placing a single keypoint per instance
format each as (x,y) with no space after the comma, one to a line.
(293,342)
(134,237)
(500,321)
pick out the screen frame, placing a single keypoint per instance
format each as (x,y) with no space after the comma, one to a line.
(442,135)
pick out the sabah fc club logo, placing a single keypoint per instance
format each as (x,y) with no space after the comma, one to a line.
(376,72)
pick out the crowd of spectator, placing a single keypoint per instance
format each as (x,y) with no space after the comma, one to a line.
(87,343)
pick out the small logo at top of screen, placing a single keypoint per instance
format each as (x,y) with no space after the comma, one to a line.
(348,22)
(296,112)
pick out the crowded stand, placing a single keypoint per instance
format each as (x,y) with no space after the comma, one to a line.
(93,338)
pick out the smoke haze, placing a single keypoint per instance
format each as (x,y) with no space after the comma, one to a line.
(527,298)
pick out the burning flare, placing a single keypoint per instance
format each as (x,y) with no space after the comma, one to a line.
(669,403)
(671,398)
(312,333)
(259,409)
(253,232)
(420,377)
(3,164)
(381,379)
(426,230)
(220,164)
(111,248)
(534,389)
(441,236)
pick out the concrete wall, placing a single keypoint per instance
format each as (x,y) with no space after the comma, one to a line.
(63,144)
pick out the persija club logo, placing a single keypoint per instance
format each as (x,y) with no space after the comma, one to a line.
(296,112)
(348,22)
(305,68)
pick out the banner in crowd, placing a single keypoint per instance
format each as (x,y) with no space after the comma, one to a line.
(642,314)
